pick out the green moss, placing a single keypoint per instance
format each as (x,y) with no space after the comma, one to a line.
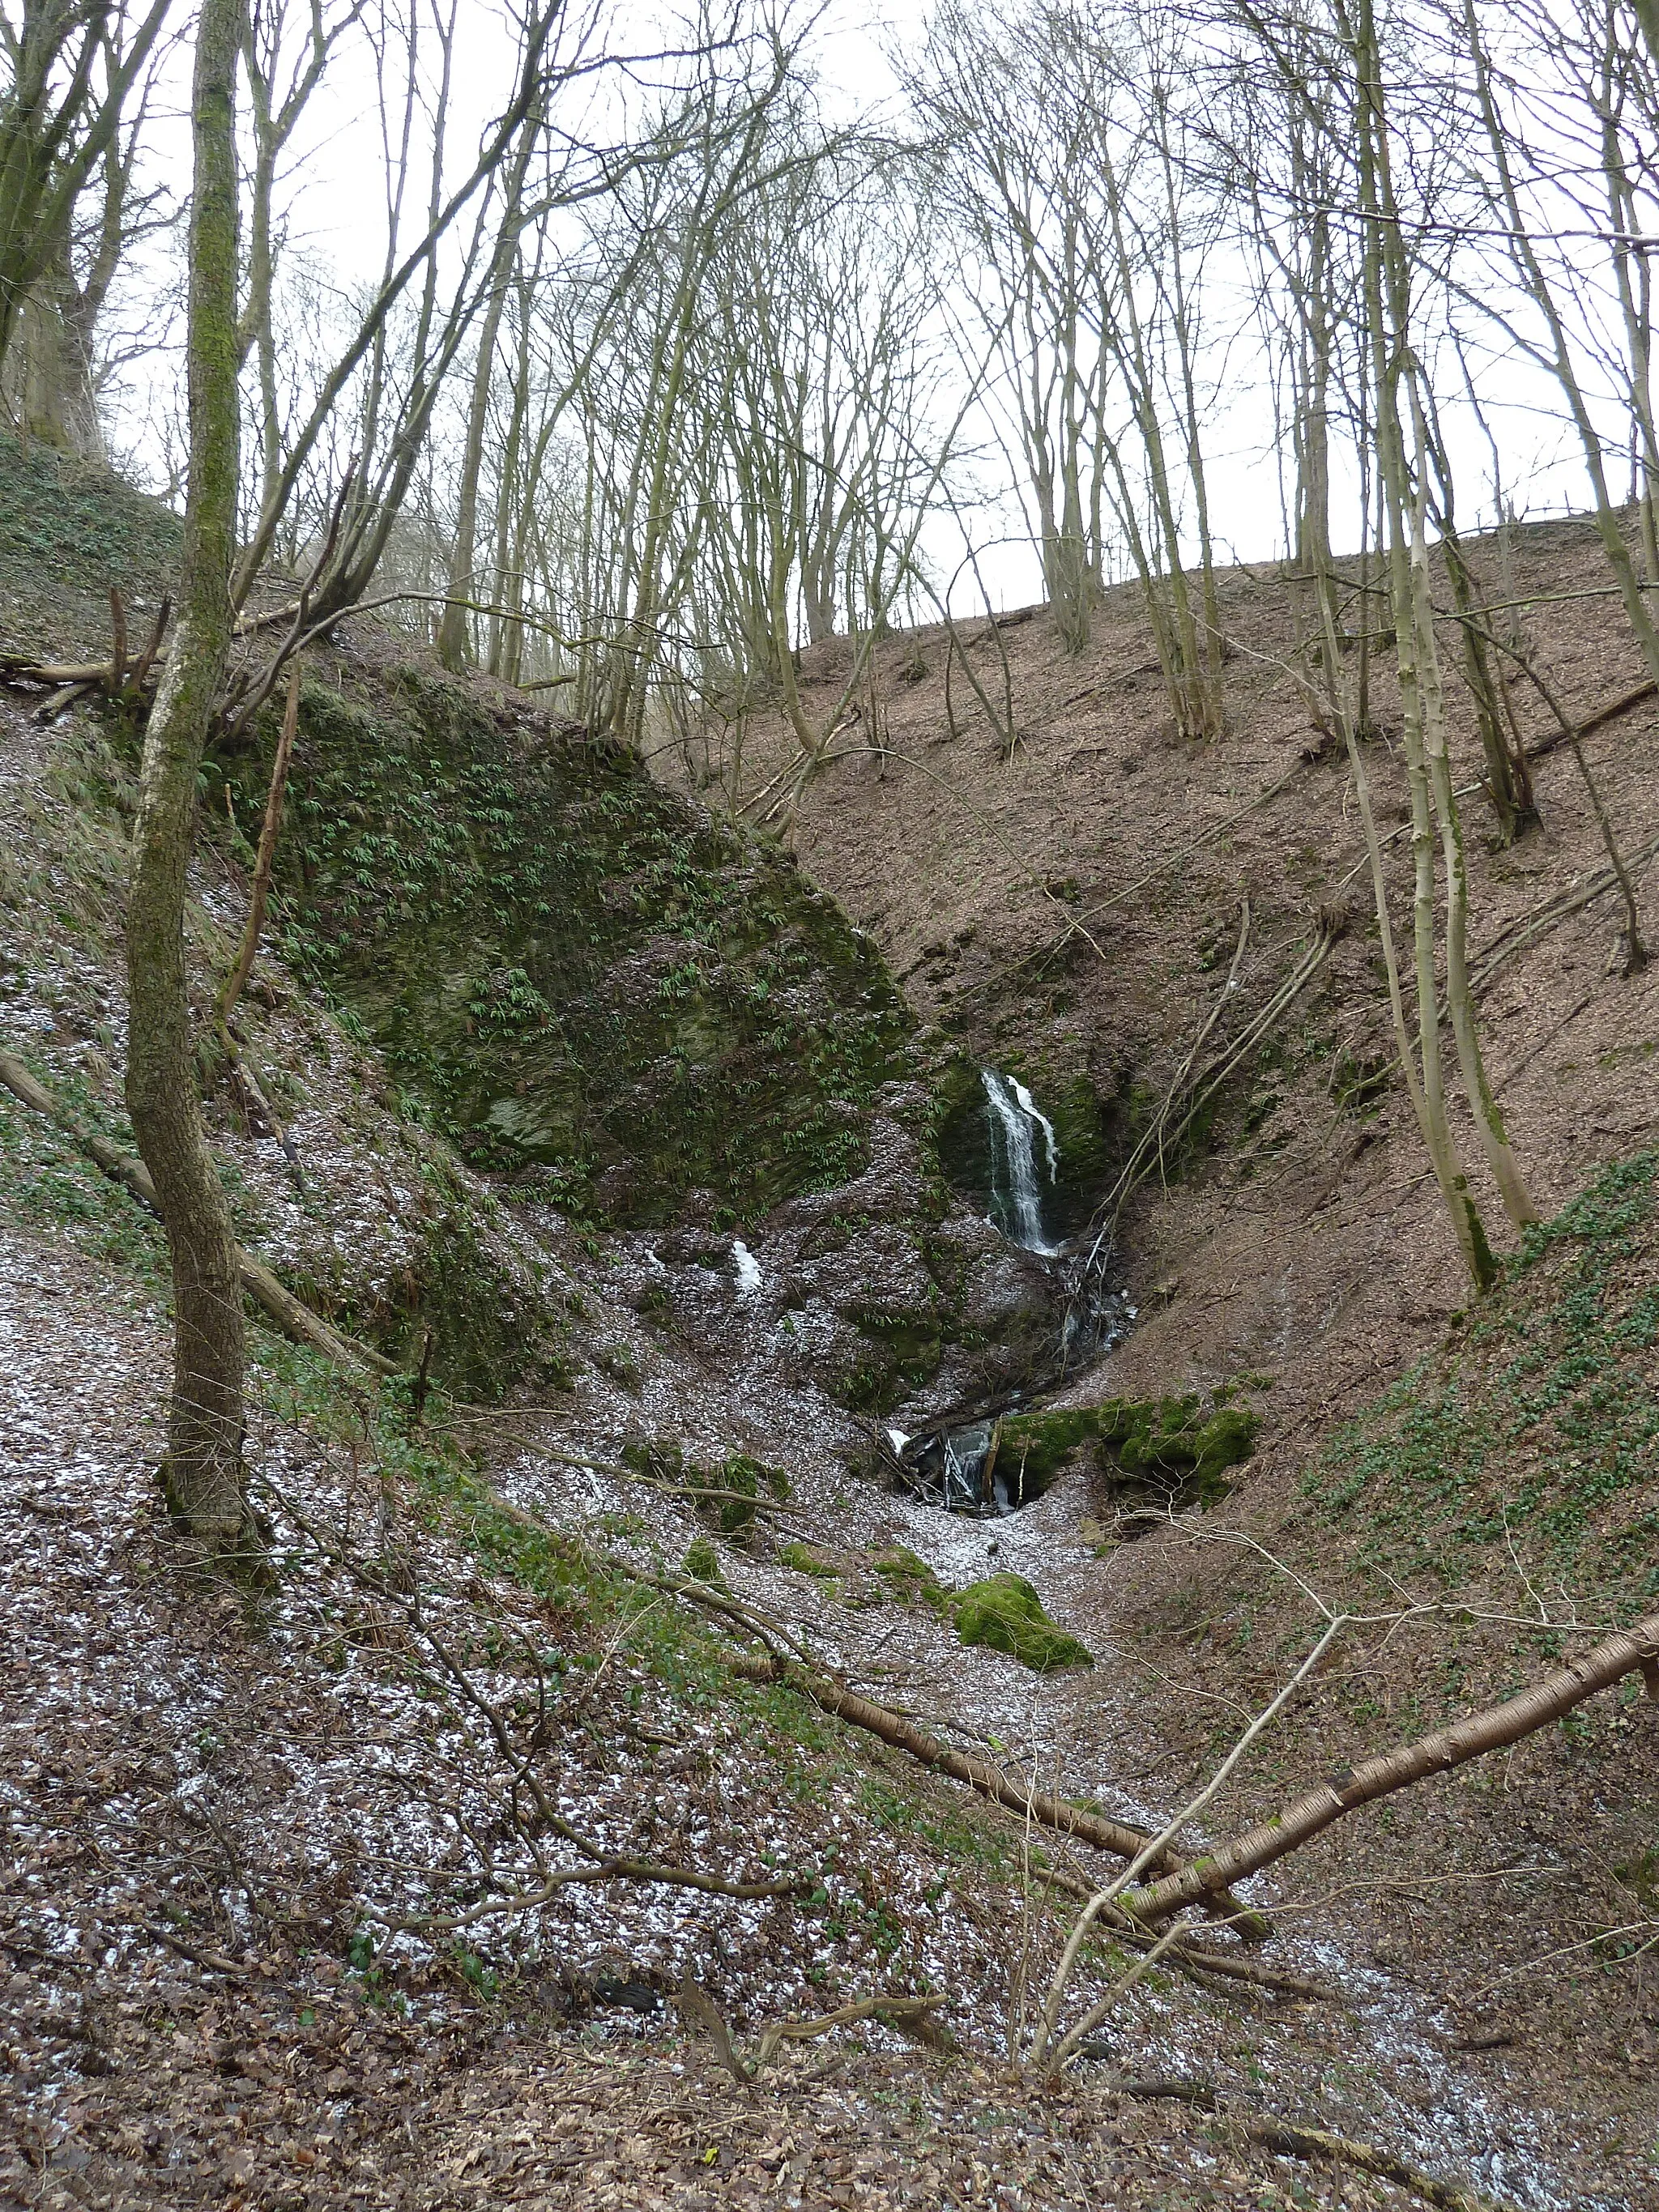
(1165,1441)
(569,968)
(910,1578)
(903,1355)
(725,1489)
(1032,1448)
(1006,1612)
(48,1184)
(804,1560)
(1163,1445)
(702,1564)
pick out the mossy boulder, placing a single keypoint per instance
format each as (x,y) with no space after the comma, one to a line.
(1165,1451)
(702,1564)
(802,1559)
(1006,1612)
(1168,1446)
(1032,1448)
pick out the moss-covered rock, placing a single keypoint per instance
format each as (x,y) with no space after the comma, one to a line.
(1163,1451)
(802,1559)
(1006,1613)
(570,969)
(702,1564)
(1032,1448)
(910,1579)
(1168,1445)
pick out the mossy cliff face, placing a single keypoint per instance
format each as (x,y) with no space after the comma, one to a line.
(570,969)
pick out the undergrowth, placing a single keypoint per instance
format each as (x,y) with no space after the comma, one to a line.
(566,969)
(1539,1429)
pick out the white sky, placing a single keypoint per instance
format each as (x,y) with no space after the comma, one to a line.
(334,212)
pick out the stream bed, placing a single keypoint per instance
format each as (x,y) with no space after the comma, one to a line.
(959,1467)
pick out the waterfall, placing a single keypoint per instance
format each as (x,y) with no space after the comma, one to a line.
(1016,1194)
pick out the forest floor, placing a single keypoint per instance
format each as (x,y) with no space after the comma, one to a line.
(245,1834)
(1071,908)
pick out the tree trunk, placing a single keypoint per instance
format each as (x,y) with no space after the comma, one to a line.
(455,630)
(49,371)
(203,1475)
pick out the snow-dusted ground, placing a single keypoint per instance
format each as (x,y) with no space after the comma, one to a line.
(199,1790)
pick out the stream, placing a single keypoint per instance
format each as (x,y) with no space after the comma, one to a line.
(956,1468)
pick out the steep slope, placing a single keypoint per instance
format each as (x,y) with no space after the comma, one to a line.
(335,1895)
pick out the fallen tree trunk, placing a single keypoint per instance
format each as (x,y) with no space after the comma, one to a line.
(1293,2139)
(1316,1809)
(291,1316)
(1124,1843)
(1542,746)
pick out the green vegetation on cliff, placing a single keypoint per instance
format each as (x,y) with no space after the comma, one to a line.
(567,968)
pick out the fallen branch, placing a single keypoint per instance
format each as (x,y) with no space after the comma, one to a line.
(899,2010)
(1291,2139)
(1193,1958)
(293,1318)
(1538,924)
(1295,2139)
(1542,746)
(699,2013)
(1632,1650)
(979,1774)
(518,1763)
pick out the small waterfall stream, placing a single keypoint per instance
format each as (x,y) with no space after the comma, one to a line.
(1016,1189)
(956,1468)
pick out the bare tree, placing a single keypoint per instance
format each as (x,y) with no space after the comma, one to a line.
(72,67)
(202,1474)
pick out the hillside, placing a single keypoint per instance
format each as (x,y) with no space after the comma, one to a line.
(659,1160)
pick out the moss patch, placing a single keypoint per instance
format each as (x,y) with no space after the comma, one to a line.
(1163,1448)
(1006,1612)
(910,1579)
(802,1559)
(1167,1446)
(1032,1448)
